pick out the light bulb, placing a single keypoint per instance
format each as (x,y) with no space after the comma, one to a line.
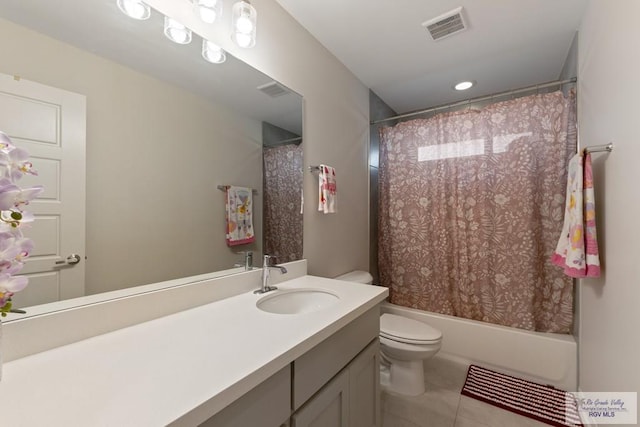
(242,39)
(176,32)
(244,24)
(244,18)
(208,10)
(212,52)
(135,9)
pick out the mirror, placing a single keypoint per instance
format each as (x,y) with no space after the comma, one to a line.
(164,129)
(283,170)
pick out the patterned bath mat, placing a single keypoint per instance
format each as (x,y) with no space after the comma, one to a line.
(543,403)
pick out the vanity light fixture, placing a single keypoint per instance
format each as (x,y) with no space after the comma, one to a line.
(135,9)
(464,85)
(244,17)
(208,10)
(212,52)
(176,32)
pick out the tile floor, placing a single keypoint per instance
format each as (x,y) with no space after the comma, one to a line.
(443,406)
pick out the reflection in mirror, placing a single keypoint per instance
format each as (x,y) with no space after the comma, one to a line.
(282,153)
(164,128)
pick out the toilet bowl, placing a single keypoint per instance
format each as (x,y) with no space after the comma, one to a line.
(404,345)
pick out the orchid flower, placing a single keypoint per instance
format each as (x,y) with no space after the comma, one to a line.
(14,247)
(13,252)
(12,284)
(5,142)
(14,160)
(12,196)
(8,248)
(9,285)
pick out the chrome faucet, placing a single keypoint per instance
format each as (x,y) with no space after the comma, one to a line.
(266,271)
(248,260)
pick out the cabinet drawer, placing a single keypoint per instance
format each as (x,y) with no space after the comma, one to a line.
(316,367)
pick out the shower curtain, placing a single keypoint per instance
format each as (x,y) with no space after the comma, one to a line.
(282,199)
(471,207)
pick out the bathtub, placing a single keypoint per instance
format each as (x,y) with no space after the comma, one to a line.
(541,357)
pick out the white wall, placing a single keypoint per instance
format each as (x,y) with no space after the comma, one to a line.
(336,126)
(153,210)
(608,94)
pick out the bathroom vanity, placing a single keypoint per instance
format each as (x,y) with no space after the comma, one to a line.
(336,383)
(224,363)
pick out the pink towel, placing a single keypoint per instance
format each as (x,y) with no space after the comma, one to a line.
(577,249)
(327,197)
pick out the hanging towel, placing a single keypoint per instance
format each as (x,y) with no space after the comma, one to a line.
(590,235)
(239,216)
(577,249)
(327,197)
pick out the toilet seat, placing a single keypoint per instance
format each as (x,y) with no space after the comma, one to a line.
(405,330)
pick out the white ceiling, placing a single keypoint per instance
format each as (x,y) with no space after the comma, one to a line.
(509,44)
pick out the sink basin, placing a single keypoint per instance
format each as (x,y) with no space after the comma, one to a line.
(297,301)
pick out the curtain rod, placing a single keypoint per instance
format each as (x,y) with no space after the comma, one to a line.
(478,99)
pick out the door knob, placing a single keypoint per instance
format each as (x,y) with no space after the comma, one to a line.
(71,260)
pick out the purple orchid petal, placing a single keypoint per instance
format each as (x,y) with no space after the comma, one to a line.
(12,284)
(5,141)
(18,155)
(8,196)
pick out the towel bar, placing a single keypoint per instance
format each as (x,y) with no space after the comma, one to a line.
(226,187)
(599,148)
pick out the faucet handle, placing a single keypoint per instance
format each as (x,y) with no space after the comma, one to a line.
(269,260)
(248,260)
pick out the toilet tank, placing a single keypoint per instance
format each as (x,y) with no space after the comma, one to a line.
(357,276)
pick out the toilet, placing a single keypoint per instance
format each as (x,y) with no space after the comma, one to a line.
(404,345)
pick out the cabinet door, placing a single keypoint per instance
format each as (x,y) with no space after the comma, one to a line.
(364,388)
(328,408)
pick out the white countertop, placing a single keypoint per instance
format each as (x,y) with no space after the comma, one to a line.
(155,372)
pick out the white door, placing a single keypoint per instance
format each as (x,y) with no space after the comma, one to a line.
(51,125)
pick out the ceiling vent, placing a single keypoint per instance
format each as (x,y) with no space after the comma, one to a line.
(446,25)
(273,89)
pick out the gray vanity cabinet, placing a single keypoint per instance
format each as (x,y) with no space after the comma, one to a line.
(350,399)
(348,363)
(364,388)
(329,408)
(335,384)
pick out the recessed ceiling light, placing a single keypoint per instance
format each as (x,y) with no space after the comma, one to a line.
(463,85)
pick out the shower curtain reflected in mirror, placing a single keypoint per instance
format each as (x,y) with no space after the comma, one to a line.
(471,208)
(282,202)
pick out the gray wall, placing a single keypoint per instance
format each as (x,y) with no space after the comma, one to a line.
(609,345)
(570,67)
(273,136)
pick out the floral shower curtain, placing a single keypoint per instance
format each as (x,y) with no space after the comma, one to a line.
(282,199)
(471,207)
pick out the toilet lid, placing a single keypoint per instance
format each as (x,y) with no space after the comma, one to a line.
(403,329)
